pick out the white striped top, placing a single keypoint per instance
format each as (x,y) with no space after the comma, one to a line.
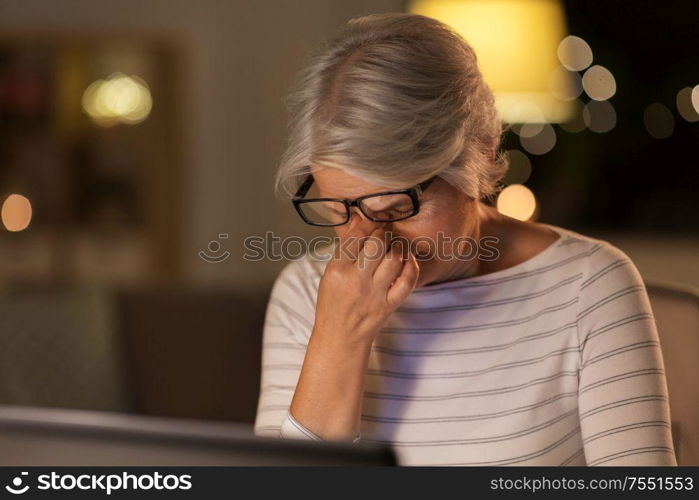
(554,361)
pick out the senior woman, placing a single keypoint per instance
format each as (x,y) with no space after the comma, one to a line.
(537,348)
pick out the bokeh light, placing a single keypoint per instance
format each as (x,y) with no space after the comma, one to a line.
(538,143)
(599,116)
(118,99)
(528,129)
(526,113)
(517,201)
(574,53)
(564,84)
(576,123)
(16,212)
(520,168)
(659,121)
(599,83)
(685,106)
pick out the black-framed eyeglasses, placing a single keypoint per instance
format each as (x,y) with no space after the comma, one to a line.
(386,206)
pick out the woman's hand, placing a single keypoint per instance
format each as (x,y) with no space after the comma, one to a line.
(363,284)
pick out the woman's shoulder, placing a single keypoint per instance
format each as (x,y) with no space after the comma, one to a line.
(598,259)
(596,248)
(538,250)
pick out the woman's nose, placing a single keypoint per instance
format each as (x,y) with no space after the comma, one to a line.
(367,224)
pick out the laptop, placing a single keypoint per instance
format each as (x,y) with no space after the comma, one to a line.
(60,437)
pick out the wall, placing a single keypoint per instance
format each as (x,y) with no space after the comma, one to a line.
(239,58)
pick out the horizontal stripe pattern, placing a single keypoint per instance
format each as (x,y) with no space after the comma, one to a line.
(555,361)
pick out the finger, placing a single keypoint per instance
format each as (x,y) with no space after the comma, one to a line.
(373,250)
(389,268)
(352,240)
(404,283)
(342,251)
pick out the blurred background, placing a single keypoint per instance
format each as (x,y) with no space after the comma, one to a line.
(139,140)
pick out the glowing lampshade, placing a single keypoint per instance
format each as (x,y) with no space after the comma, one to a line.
(516,42)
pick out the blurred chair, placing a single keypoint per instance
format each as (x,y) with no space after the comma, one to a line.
(189,353)
(60,348)
(193,353)
(676,311)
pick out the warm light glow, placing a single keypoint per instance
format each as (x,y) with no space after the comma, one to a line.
(525,113)
(528,129)
(659,121)
(516,43)
(565,85)
(539,143)
(685,106)
(574,53)
(118,99)
(517,201)
(599,116)
(695,98)
(16,213)
(599,83)
(577,123)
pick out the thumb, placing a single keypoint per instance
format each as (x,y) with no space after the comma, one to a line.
(405,283)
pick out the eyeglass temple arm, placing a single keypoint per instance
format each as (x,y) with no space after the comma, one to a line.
(303,189)
(423,185)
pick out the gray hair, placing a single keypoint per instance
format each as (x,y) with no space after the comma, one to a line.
(394,99)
